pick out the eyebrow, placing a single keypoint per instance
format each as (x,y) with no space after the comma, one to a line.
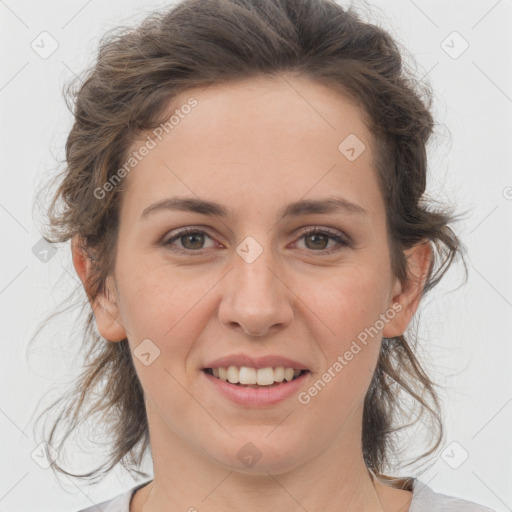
(330,204)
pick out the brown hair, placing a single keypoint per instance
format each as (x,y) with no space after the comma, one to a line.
(201,42)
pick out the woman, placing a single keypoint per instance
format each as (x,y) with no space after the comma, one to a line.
(244,196)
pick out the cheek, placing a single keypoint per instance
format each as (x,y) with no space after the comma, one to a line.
(349,302)
(350,357)
(350,306)
(163,305)
(167,306)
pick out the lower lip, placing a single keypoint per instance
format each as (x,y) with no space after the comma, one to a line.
(257,396)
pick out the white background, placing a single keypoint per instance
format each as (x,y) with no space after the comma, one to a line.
(464,331)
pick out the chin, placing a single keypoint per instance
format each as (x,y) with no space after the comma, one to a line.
(260,455)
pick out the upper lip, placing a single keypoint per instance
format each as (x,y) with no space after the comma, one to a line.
(239,360)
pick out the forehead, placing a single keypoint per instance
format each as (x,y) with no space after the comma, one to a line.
(277,137)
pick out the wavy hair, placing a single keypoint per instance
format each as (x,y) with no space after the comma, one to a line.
(138,70)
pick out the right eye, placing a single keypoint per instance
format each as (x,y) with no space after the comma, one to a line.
(190,239)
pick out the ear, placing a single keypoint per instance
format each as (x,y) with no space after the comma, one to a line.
(408,297)
(105,305)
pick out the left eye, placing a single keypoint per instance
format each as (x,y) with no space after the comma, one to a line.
(192,239)
(322,236)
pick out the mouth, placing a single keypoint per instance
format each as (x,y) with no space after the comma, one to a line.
(246,377)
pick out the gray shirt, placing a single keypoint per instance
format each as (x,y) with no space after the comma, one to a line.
(424,499)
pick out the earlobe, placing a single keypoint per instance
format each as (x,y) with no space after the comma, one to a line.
(105,305)
(106,311)
(406,299)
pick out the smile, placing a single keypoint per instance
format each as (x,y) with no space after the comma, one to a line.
(245,376)
(255,395)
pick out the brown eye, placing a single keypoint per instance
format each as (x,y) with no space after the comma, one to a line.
(190,239)
(193,241)
(317,240)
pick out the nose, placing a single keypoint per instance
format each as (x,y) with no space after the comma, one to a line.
(256,298)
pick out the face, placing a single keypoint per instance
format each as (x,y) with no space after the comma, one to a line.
(253,281)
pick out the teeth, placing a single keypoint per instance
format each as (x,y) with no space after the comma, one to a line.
(233,374)
(279,374)
(288,373)
(264,376)
(252,376)
(247,375)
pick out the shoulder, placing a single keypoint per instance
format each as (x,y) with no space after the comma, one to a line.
(426,499)
(120,503)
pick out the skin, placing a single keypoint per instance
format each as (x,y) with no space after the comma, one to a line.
(255,146)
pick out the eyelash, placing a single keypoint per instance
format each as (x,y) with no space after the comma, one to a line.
(341,240)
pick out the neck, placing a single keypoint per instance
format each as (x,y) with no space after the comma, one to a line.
(188,479)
